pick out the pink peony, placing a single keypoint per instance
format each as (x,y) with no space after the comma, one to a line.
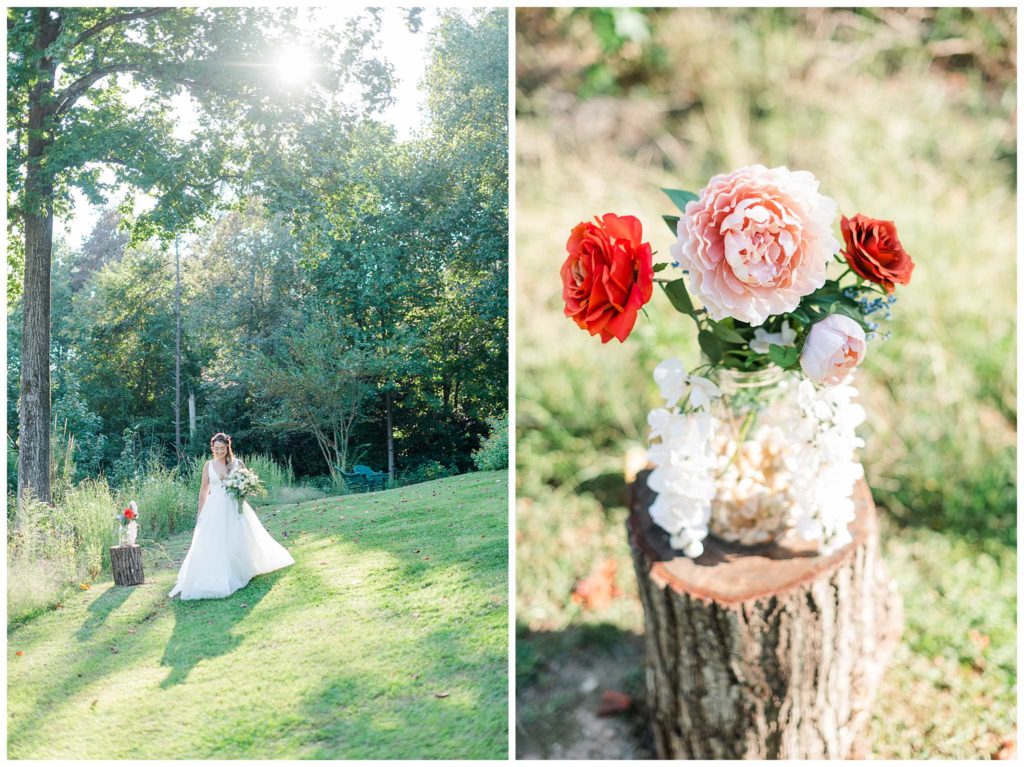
(834,347)
(756,241)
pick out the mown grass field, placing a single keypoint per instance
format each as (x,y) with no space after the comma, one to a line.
(386,639)
(893,127)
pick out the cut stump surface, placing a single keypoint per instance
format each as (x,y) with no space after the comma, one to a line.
(765,651)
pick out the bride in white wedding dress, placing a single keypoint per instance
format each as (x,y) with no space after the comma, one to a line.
(228,548)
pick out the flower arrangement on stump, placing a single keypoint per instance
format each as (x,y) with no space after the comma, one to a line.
(128,525)
(759,440)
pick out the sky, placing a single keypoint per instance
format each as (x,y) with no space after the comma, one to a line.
(406,51)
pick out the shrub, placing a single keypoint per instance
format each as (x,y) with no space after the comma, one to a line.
(128,466)
(425,472)
(493,451)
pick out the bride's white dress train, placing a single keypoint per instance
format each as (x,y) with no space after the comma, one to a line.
(227,549)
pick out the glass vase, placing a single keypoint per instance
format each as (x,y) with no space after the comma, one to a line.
(755,454)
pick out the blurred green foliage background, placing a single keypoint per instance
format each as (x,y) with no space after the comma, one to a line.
(902,114)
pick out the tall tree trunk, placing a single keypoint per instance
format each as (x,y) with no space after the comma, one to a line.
(391,438)
(34,403)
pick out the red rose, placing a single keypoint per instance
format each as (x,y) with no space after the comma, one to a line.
(608,275)
(874,252)
(129,514)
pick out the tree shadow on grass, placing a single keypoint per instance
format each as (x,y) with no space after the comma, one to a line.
(203,627)
(445,698)
(609,489)
(101,608)
(560,679)
(92,658)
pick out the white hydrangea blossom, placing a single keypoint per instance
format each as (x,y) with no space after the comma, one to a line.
(684,473)
(827,470)
(809,432)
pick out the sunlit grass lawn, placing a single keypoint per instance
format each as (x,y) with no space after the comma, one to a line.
(387,639)
(876,129)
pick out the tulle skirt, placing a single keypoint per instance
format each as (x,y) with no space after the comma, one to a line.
(227,550)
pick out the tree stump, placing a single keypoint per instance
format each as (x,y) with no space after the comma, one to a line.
(126,563)
(769,652)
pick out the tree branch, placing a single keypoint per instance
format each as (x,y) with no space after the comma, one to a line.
(67,97)
(118,19)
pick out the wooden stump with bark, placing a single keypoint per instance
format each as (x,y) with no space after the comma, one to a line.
(126,562)
(769,652)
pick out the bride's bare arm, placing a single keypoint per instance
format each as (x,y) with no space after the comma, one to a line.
(204,488)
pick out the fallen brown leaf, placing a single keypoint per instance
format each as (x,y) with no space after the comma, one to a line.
(981,641)
(441,694)
(1008,749)
(598,589)
(614,702)
(19,653)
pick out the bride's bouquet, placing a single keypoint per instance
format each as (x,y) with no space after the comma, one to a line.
(762,441)
(242,483)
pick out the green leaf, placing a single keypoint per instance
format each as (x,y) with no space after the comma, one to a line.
(710,346)
(727,334)
(680,198)
(660,267)
(673,222)
(801,315)
(786,357)
(854,314)
(680,298)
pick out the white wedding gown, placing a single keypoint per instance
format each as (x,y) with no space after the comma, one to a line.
(227,549)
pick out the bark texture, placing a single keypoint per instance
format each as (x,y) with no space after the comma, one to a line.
(34,399)
(763,652)
(126,562)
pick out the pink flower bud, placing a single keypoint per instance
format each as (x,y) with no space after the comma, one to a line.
(834,347)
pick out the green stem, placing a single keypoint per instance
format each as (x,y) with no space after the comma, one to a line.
(748,423)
